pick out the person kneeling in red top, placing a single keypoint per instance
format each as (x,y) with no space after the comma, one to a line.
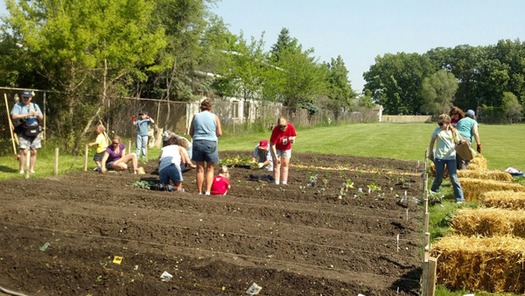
(221,182)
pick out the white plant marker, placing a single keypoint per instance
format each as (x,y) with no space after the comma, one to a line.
(397,242)
(254,289)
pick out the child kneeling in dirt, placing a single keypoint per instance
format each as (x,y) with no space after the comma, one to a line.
(263,156)
(221,182)
(172,157)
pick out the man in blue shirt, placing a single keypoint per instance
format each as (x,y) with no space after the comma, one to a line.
(142,134)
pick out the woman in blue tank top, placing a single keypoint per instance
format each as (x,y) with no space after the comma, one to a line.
(205,130)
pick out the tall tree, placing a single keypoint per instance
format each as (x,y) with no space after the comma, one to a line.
(303,78)
(85,48)
(244,75)
(177,75)
(512,109)
(339,88)
(395,81)
(438,92)
(300,78)
(284,40)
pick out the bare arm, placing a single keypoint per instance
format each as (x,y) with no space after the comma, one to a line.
(431,149)
(219,127)
(192,129)
(185,158)
(476,134)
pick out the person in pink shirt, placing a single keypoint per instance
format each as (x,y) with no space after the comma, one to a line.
(221,182)
(283,136)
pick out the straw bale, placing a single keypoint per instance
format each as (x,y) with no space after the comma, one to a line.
(477,163)
(473,188)
(504,200)
(489,222)
(485,174)
(493,264)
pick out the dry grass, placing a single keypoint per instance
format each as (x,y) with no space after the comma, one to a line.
(485,174)
(494,264)
(474,188)
(489,222)
(504,200)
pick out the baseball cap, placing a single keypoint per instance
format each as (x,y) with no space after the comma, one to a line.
(263,144)
(166,135)
(471,112)
(26,94)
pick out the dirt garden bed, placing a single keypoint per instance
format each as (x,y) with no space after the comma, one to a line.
(311,237)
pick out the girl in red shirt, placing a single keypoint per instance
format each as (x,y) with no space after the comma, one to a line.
(221,182)
(283,136)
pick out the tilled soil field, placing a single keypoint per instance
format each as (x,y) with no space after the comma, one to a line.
(93,234)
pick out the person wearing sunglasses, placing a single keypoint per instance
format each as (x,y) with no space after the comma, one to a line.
(115,157)
(456,114)
(444,138)
(283,136)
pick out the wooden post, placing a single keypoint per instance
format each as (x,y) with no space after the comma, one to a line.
(86,153)
(426,233)
(431,282)
(56,161)
(424,277)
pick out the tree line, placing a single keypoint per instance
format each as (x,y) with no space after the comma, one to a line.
(93,53)
(489,79)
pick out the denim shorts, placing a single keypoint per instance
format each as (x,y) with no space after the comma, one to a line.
(205,151)
(170,173)
(98,156)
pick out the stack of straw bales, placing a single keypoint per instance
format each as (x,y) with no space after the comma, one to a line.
(487,250)
(489,222)
(478,163)
(485,174)
(504,200)
(494,264)
(474,188)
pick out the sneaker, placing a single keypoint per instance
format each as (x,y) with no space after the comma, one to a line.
(32,171)
(459,202)
(21,172)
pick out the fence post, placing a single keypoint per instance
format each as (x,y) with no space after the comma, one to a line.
(86,153)
(56,161)
(431,281)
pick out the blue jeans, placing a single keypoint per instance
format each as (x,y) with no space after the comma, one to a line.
(452,174)
(142,144)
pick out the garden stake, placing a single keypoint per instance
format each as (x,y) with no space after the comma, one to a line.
(11,127)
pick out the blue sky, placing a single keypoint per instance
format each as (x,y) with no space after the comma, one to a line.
(360,30)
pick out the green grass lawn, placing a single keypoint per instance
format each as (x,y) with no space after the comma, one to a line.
(503,146)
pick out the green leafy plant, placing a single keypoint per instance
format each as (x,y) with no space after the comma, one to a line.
(373,187)
(142,184)
(348,184)
(312,180)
